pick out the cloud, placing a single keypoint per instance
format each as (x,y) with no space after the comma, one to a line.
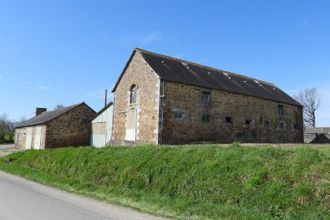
(143,39)
(43,88)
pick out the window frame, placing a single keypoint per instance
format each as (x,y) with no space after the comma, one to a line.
(206,98)
(206,118)
(248,122)
(280,110)
(230,121)
(133,94)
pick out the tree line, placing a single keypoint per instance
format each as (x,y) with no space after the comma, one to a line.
(7,129)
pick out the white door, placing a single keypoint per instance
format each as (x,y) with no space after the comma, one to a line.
(37,138)
(28,143)
(99,134)
(131,125)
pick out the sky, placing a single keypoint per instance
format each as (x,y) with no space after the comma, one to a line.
(65,52)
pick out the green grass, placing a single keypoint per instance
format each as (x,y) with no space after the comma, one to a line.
(195,182)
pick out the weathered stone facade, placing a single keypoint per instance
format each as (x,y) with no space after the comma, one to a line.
(169,111)
(138,73)
(72,128)
(253,119)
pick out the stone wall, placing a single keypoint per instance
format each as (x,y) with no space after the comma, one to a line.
(253,119)
(71,129)
(139,73)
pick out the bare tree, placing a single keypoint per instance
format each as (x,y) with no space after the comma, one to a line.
(311,100)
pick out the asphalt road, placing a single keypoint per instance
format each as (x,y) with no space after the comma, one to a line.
(21,199)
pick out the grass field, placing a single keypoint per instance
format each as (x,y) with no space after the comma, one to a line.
(195,182)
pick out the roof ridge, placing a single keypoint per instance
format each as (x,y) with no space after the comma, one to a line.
(209,67)
(65,107)
(40,119)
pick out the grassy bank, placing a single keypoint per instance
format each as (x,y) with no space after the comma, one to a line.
(190,182)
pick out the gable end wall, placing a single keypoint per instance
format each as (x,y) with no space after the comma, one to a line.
(71,129)
(138,72)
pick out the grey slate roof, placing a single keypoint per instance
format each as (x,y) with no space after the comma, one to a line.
(46,116)
(186,72)
(319,130)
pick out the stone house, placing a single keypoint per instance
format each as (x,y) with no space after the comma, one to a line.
(68,126)
(164,100)
(317,135)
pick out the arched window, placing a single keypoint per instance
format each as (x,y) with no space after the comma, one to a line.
(133,94)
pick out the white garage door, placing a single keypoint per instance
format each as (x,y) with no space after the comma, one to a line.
(28,143)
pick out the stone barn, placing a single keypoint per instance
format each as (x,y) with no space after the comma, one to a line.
(102,127)
(164,100)
(68,126)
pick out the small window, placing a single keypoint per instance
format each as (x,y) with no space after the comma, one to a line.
(280,110)
(282,125)
(206,98)
(294,126)
(229,120)
(133,94)
(206,118)
(178,114)
(248,122)
(266,124)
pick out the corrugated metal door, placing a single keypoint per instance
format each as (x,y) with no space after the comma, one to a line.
(131,125)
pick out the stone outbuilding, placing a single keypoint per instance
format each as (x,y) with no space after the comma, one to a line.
(317,135)
(102,127)
(67,126)
(164,100)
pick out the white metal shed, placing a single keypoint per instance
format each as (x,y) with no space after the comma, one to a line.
(102,127)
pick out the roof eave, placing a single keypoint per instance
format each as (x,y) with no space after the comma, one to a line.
(122,73)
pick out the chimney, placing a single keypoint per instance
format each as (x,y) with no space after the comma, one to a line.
(40,110)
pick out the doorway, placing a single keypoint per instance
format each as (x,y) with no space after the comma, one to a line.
(131,125)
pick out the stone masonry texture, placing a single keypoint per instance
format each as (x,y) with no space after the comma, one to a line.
(71,129)
(253,120)
(138,73)
(264,120)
